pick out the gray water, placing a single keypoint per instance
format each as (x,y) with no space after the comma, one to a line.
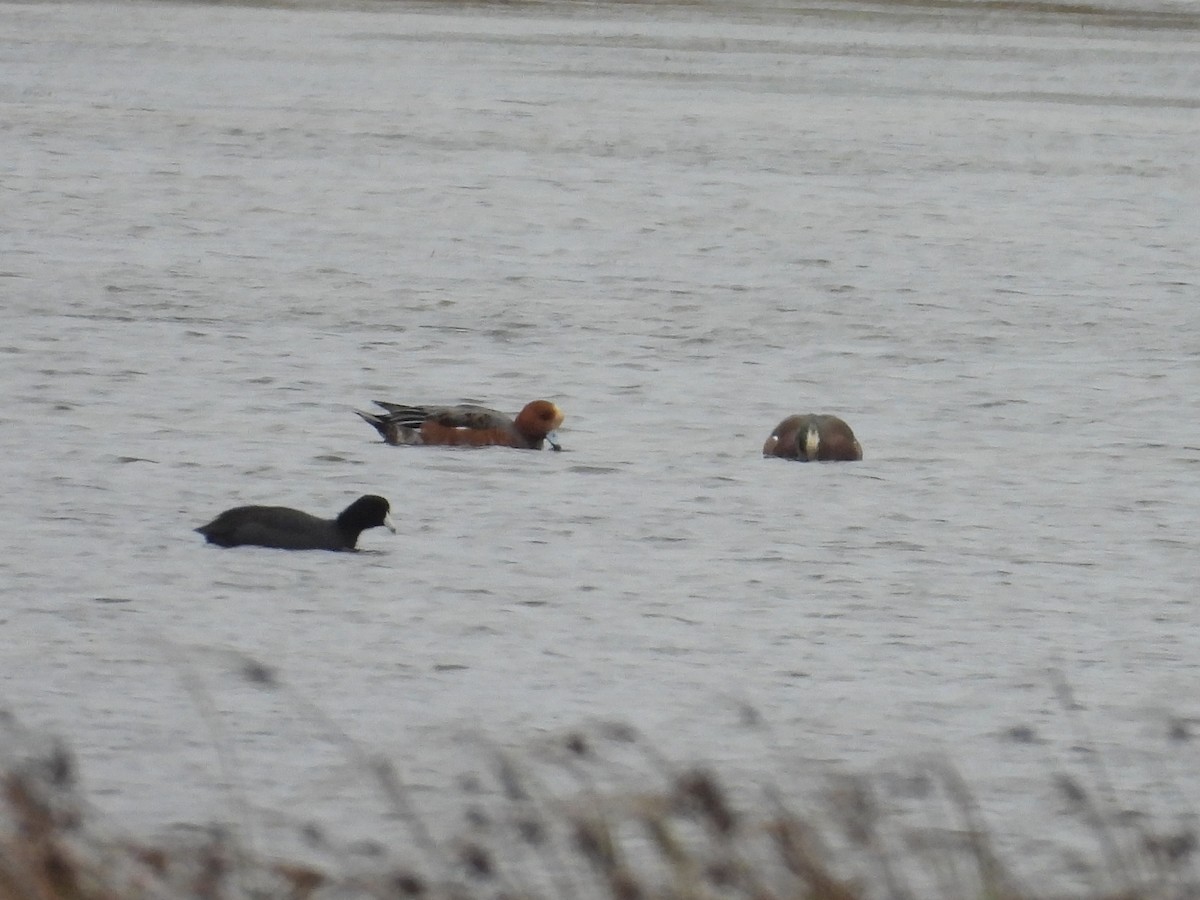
(971,232)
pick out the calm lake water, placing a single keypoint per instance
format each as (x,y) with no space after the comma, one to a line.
(970,231)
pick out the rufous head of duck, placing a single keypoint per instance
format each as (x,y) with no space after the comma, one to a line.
(810,438)
(539,421)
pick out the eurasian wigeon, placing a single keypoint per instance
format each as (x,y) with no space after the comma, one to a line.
(467,425)
(291,529)
(813,437)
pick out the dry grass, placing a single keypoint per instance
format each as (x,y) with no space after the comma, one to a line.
(598,813)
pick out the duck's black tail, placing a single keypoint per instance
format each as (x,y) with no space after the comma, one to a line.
(379,423)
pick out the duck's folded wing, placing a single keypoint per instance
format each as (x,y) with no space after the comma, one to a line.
(403,416)
(462,416)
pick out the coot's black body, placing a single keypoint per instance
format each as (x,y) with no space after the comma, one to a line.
(291,529)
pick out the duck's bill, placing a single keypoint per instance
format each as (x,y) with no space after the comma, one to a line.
(552,440)
(389,524)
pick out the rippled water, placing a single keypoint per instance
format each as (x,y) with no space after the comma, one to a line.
(970,231)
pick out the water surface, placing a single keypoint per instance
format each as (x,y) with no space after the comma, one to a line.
(970,231)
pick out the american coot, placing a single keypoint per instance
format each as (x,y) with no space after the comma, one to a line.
(813,437)
(467,425)
(291,529)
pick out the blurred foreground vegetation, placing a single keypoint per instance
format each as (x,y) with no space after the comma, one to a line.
(674,832)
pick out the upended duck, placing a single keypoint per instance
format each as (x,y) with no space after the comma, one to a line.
(812,437)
